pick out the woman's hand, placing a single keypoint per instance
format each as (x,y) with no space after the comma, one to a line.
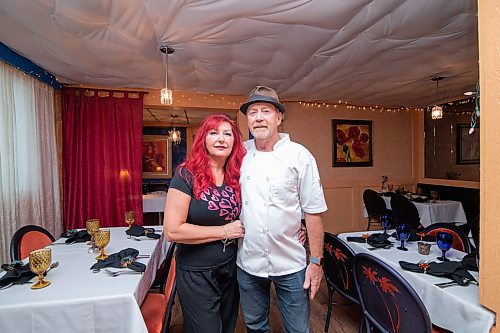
(234,230)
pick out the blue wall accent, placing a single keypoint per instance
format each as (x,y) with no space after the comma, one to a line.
(24,64)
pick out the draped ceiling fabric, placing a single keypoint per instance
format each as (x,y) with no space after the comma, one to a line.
(376,52)
(102,170)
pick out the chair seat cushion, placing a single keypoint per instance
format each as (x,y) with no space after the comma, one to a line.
(153,311)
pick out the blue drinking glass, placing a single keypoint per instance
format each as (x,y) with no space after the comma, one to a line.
(403,233)
(444,241)
(386,221)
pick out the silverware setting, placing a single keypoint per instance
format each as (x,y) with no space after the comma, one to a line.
(455,283)
(141,239)
(118,273)
(51,267)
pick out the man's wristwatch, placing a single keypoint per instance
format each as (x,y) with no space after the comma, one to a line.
(316,261)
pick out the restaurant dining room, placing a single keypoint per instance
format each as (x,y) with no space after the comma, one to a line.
(107,107)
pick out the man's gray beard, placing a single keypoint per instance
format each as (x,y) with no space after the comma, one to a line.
(261,135)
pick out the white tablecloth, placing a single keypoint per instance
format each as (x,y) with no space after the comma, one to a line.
(454,308)
(80,301)
(446,211)
(153,203)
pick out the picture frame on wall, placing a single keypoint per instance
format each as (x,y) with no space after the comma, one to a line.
(156,162)
(467,144)
(352,143)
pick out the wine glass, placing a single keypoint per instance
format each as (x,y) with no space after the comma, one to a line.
(444,241)
(386,221)
(101,240)
(92,226)
(39,262)
(403,233)
(434,195)
(130,219)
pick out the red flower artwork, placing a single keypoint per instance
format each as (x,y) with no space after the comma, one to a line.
(352,141)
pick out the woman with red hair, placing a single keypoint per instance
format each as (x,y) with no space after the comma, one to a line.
(202,216)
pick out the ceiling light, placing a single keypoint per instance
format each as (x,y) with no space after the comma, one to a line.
(166,94)
(437,110)
(469,93)
(174,135)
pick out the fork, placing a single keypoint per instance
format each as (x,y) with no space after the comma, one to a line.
(141,239)
(118,273)
(7,286)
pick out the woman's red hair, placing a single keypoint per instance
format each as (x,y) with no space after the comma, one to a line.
(197,161)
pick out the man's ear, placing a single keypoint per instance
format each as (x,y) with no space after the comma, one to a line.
(280,117)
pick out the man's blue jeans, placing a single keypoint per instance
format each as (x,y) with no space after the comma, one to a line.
(293,301)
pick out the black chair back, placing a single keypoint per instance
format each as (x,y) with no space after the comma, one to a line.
(389,302)
(375,205)
(404,211)
(338,267)
(338,270)
(29,238)
(460,239)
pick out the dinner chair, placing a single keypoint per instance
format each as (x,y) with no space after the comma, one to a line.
(375,206)
(474,231)
(29,238)
(389,302)
(460,239)
(337,268)
(157,308)
(405,211)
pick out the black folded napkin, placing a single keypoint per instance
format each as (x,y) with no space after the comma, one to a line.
(137,230)
(448,269)
(469,262)
(414,237)
(75,236)
(375,240)
(123,259)
(17,273)
(420,199)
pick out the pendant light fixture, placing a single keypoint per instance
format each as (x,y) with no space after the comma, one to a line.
(437,110)
(166,94)
(174,135)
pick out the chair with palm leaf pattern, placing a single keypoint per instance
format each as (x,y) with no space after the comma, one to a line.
(337,267)
(389,302)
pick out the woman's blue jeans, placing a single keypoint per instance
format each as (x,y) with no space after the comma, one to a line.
(293,301)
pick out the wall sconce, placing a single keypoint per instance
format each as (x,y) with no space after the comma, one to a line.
(166,94)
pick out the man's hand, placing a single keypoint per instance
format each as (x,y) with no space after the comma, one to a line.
(314,274)
(302,234)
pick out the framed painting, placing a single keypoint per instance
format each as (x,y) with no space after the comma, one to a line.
(467,145)
(352,143)
(156,161)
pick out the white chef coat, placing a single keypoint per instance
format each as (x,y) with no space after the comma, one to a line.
(275,187)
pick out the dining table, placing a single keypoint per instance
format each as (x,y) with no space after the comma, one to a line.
(431,212)
(455,308)
(79,300)
(154,203)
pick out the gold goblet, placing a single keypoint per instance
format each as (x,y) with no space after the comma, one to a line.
(434,195)
(101,240)
(92,227)
(39,262)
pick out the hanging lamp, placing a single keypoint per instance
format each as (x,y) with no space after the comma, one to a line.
(437,110)
(166,94)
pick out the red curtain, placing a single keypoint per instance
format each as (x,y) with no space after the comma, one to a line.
(102,138)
